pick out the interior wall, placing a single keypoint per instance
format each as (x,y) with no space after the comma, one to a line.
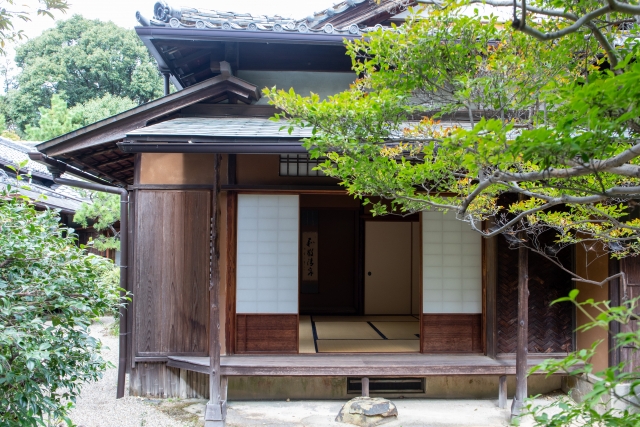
(264,169)
(334,289)
(416,258)
(177,168)
(592,265)
(387,282)
(303,82)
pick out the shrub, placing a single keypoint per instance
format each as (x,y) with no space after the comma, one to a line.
(50,289)
(614,399)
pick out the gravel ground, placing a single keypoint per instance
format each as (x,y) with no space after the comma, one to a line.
(97,405)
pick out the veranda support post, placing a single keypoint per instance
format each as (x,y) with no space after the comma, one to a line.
(523,334)
(216,409)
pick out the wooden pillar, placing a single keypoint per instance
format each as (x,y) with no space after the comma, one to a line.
(502,392)
(614,327)
(216,409)
(490,278)
(365,387)
(183,384)
(167,88)
(523,335)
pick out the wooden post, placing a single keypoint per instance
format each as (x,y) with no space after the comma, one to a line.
(614,327)
(216,409)
(502,392)
(183,384)
(523,335)
(365,387)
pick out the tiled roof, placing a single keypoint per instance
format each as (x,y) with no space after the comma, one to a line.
(13,153)
(16,152)
(168,16)
(238,129)
(193,127)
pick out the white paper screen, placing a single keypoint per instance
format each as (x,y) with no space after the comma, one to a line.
(267,262)
(451,265)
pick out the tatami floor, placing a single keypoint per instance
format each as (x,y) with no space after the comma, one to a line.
(359,334)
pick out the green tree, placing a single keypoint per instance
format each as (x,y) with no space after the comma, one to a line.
(58,119)
(54,121)
(552,124)
(100,108)
(50,290)
(80,60)
(102,213)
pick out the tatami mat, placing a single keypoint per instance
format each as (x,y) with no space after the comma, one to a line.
(368,346)
(307,343)
(346,331)
(380,318)
(399,330)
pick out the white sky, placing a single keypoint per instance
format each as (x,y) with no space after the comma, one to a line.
(123,12)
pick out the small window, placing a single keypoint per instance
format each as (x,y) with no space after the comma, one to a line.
(299,165)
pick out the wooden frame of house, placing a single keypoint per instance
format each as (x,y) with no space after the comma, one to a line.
(222,203)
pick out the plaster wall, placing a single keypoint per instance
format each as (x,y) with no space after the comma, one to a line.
(264,169)
(437,387)
(303,82)
(592,265)
(176,168)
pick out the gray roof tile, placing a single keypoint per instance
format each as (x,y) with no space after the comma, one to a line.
(15,152)
(165,15)
(220,127)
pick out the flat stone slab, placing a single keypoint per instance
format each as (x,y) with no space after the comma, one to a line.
(367,412)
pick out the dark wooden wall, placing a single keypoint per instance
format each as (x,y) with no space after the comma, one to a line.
(550,327)
(171,272)
(159,380)
(452,333)
(267,333)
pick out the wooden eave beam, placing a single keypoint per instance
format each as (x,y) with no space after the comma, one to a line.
(114,149)
(113,162)
(178,62)
(96,170)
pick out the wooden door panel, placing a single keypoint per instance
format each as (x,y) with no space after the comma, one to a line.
(387,281)
(171,288)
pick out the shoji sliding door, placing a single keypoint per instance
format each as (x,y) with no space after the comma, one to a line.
(452,285)
(267,273)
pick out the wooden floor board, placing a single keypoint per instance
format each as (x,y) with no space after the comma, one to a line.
(365,365)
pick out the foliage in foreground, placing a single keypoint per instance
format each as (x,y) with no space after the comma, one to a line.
(557,123)
(13,10)
(615,399)
(49,291)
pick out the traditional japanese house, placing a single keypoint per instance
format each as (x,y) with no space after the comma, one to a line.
(254,276)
